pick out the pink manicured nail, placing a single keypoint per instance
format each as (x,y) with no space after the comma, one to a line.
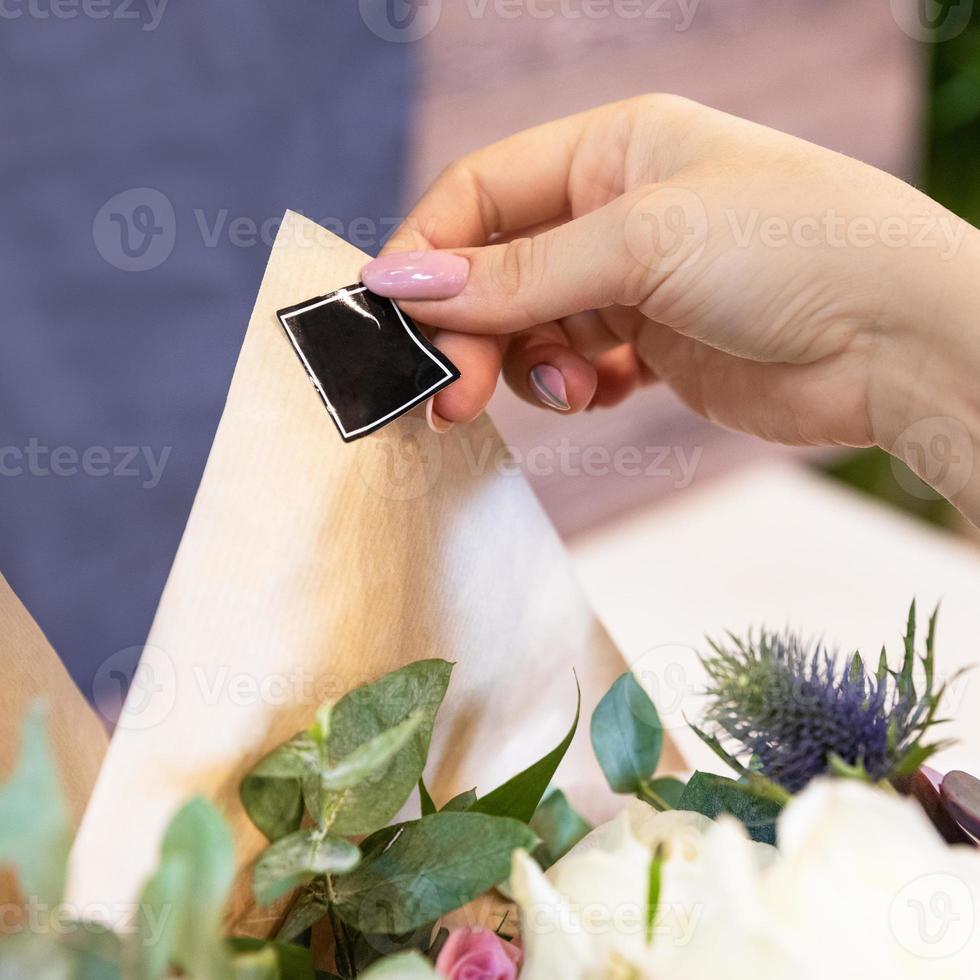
(549,385)
(417,275)
(437,423)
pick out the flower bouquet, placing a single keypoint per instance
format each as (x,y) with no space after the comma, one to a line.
(332,763)
(829,851)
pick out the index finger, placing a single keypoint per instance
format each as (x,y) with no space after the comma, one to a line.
(502,188)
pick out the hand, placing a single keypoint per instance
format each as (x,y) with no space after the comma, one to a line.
(778,287)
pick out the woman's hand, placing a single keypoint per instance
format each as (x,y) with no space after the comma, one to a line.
(778,287)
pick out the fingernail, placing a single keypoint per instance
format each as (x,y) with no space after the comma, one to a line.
(417,275)
(549,385)
(437,423)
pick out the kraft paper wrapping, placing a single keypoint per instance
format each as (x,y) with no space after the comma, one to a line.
(30,670)
(309,566)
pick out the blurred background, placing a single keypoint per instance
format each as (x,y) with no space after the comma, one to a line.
(150,147)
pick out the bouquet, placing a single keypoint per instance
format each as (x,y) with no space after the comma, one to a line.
(830,850)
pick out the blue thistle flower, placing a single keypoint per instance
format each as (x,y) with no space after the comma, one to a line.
(794,711)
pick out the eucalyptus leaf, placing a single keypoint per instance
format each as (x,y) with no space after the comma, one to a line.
(627,735)
(559,827)
(367,759)
(280,961)
(35,833)
(97,951)
(28,956)
(433,866)
(182,905)
(461,801)
(663,794)
(714,795)
(298,859)
(364,714)
(519,796)
(310,908)
(425,800)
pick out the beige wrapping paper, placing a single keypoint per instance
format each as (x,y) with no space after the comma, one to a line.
(31,670)
(309,566)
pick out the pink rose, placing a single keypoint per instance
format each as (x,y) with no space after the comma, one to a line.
(478,954)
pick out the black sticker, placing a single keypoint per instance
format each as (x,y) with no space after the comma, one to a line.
(365,357)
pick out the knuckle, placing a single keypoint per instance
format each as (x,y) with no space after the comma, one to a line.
(515,267)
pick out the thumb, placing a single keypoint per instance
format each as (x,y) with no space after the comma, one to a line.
(616,255)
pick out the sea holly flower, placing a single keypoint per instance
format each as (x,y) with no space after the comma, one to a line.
(791,710)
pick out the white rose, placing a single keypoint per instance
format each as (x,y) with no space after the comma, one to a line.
(861,886)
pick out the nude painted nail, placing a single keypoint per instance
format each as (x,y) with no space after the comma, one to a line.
(437,423)
(548,384)
(417,275)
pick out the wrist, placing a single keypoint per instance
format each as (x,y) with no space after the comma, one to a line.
(925,401)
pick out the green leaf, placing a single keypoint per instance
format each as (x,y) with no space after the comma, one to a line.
(372,756)
(97,952)
(405,966)
(28,956)
(285,962)
(182,905)
(462,801)
(519,796)
(351,767)
(714,795)
(428,806)
(559,827)
(433,866)
(298,859)
(653,890)
(310,908)
(365,713)
(627,735)
(35,833)
(272,793)
(663,793)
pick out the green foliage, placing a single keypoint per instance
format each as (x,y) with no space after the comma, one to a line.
(357,765)
(627,736)
(182,904)
(432,866)
(259,960)
(34,829)
(519,796)
(298,859)
(752,805)
(558,826)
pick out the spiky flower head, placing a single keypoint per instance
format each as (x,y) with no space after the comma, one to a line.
(789,709)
